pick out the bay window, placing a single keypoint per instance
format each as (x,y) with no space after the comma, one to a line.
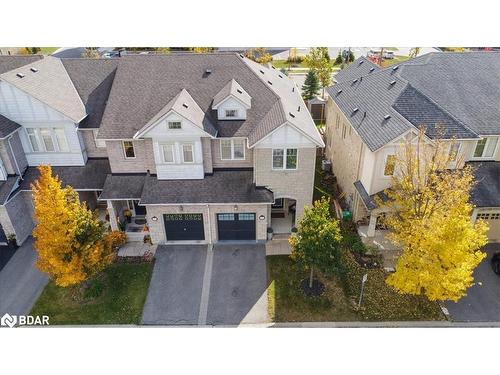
(232,149)
(285,158)
(485,147)
(47,139)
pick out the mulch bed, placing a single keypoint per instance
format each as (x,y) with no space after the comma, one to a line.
(317,288)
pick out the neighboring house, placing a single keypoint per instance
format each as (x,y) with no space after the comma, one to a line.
(371,112)
(197,147)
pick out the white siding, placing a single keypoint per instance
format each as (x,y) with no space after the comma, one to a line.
(188,134)
(286,136)
(231,103)
(367,167)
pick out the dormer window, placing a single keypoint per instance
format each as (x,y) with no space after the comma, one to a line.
(231,113)
(174,125)
(232,102)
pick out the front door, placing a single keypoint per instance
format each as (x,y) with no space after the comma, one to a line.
(236,226)
(184,227)
(139,210)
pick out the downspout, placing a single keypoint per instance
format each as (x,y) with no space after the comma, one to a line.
(14,158)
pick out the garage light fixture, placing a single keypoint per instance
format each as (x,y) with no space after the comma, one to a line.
(262,217)
(181,208)
(154,218)
(236,207)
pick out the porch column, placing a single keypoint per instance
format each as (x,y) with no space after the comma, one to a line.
(372,225)
(112,215)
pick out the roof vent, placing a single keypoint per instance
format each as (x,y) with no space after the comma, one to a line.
(395,67)
(279,75)
(338,92)
(291,114)
(298,109)
(34,70)
(361,62)
(293,89)
(20,75)
(261,71)
(356,80)
(392,82)
(241,55)
(208,71)
(387,117)
(269,82)
(355,110)
(185,105)
(272,66)
(372,69)
(239,91)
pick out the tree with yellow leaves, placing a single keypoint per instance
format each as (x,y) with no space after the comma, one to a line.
(430,218)
(69,238)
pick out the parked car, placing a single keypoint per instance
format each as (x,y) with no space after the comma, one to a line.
(495,263)
(373,53)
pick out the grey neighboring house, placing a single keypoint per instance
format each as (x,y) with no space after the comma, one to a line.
(454,96)
(196,148)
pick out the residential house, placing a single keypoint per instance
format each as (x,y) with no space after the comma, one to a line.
(195,147)
(370,111)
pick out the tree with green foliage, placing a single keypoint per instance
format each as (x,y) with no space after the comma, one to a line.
(202,49)
(414,52)
(310,87)
(163,50)
(317,241)
(339,59)
(259,54)
(319,61)
(350,56)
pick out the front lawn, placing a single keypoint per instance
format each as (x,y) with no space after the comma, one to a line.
(116,296)
(396,60)
(48,50)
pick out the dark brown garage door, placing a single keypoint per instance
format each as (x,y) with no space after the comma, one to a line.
(184,227)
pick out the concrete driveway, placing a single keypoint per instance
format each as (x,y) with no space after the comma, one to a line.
(482,303)
(198,285)
(20,281)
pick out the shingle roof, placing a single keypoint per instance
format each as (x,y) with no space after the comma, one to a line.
(92,79)
(123,186)
(234,89)
(458,90)
(8,63)
(221,187)
(50,84)
(184,104)
(360,67)
(486,192)
(6,188)
(91,176)
(7,126)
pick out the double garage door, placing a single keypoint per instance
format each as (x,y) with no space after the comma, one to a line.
(190,227)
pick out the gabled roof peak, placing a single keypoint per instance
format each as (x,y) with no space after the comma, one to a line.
(234,89)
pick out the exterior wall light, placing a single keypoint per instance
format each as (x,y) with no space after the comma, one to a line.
(154,218)
(262,217)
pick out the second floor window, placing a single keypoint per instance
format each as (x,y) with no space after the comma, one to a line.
(168,153)
(285,158)
(187,153)
(485,147)
(47,139)
(231,113)
(128,148)
(174,125)
(390,165)
(232,149)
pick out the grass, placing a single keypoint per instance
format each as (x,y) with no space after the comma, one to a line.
(48,50)
(396,60)
(287,302)
(116,297)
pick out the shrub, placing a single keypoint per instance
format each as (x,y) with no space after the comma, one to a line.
(295,60)
(116,238)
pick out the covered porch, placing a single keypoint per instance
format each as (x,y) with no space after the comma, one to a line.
(283,216)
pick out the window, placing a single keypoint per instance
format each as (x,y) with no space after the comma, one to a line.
(168,153)
(232,149)
(231,113)
(62,142)
(33,139)
(485,148)
(279,161)
(291,158)
(187,153)
(128,147)
(246,217)
(47,140)
(225,217)
(278,203)
(99,143)
(454,149)
(390,165)
(174,125)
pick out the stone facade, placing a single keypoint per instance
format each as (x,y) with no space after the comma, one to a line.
(143,161)
(90,147)
(296,184)
(209,212)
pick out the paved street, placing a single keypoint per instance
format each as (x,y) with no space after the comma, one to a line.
(195,286)
(20,282)
(482,303)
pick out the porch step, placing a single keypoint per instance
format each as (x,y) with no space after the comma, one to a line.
(136,236)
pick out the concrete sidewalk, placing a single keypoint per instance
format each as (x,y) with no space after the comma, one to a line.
(21,283)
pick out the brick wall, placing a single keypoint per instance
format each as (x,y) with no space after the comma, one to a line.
(89,144)
(144,157)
